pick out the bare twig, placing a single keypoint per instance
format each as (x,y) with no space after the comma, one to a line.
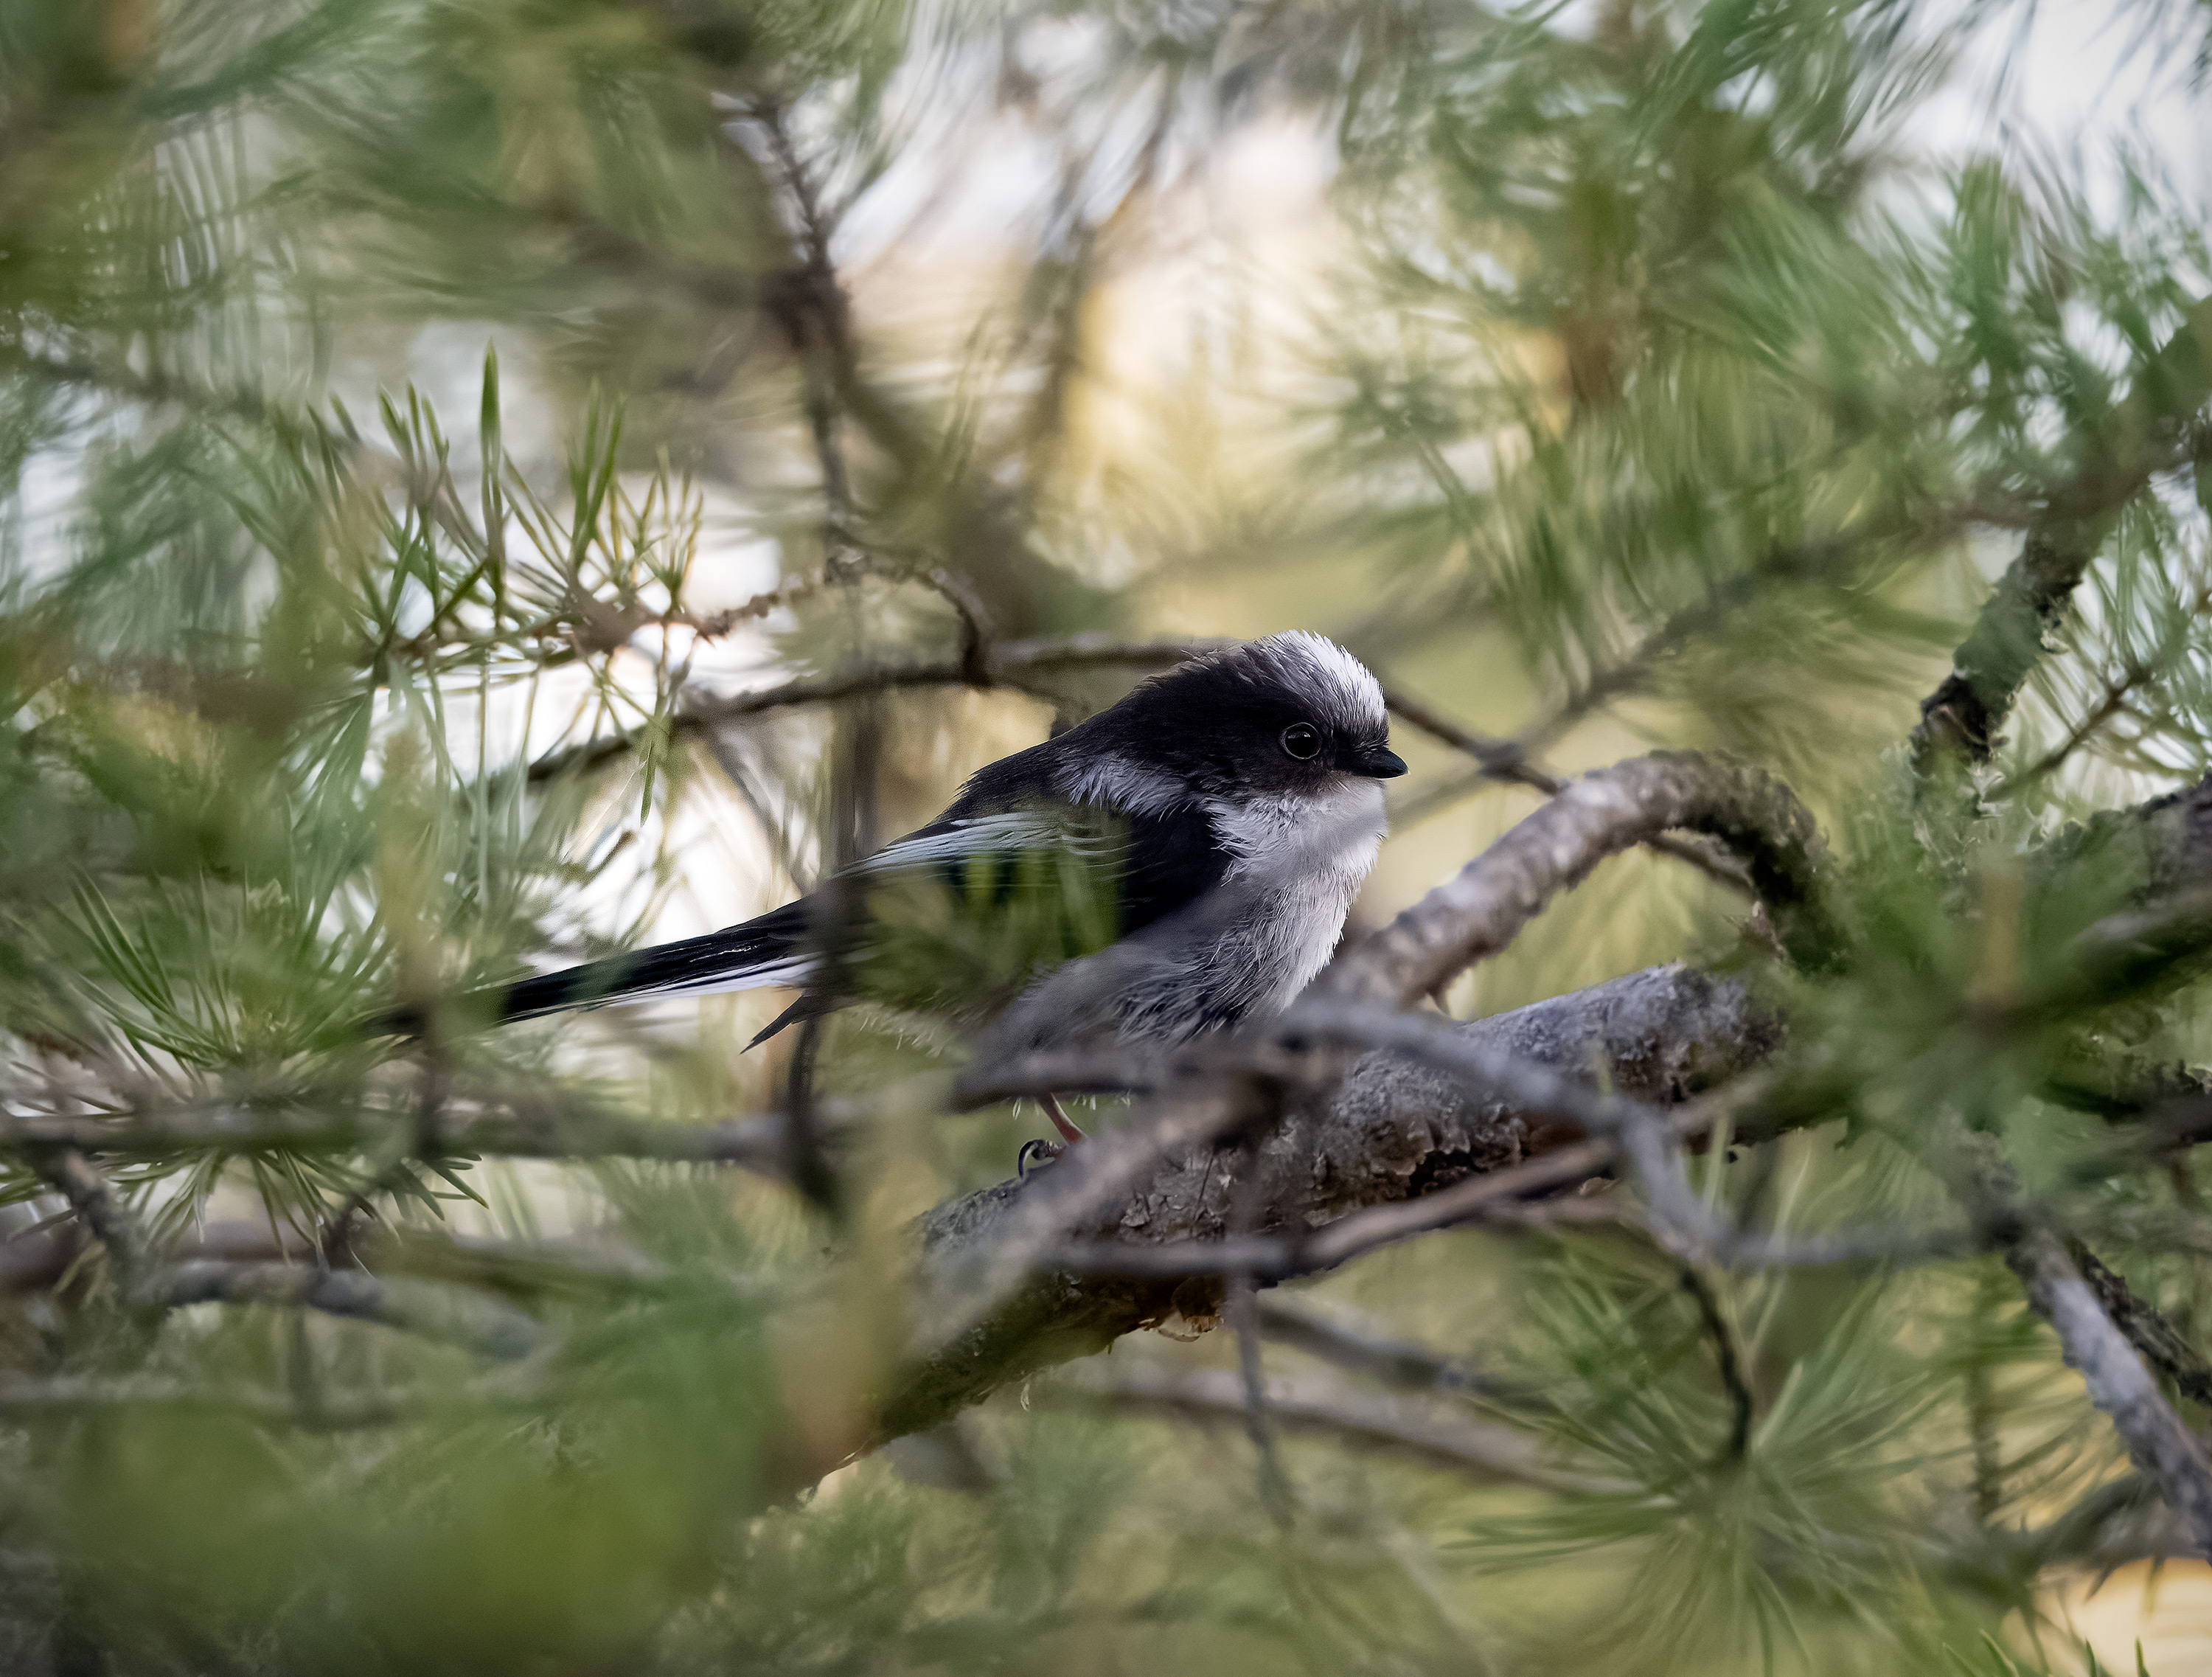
(1726,1360)
(1981,1403)
(1508,759)
(1489,1453)
(2119,1522)
(455,1315)
(2111,704)
(1499,759)
(808,302)
(93,1200)
(1396,1363)
(524,1128)
(974,621)
(335,1241)
(67,1396)
(1021,665)
(1243,1312)
(1777,567)
(1018,664)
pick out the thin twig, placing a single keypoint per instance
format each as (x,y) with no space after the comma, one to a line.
(1435,1437)
(335,1241)
(526,1129)
(2114,701)
(429,1309)
(68,1395)
(1981,1403)
(96,1204)
(1275,1493)
(1726,1360)
(1397,1363)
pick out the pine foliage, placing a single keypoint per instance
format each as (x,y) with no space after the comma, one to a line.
(483,486)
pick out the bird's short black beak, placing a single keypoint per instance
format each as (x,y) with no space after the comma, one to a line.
(1380,762)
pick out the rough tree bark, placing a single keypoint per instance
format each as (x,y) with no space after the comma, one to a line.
(1393,1131)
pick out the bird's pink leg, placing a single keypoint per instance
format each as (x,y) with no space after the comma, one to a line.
(1060,1120)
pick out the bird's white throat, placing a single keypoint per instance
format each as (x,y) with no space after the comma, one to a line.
(1337,833)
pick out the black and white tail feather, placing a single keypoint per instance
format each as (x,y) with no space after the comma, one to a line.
(756,955)
(1255,769)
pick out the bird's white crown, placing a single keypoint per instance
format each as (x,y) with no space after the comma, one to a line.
(1342,691)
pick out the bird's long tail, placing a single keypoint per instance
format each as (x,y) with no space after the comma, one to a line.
(748,956)
(771,950)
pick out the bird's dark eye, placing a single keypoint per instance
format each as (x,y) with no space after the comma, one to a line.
(1301,740)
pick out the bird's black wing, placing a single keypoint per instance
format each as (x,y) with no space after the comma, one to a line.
(1172,859)
(952,918)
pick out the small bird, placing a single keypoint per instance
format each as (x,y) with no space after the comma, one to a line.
(1209,832)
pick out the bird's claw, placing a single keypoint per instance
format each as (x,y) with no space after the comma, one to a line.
(1035,1153)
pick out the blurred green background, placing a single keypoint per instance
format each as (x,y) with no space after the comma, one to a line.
(408,407)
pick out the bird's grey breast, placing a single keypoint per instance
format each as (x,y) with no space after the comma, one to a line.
(1247,946)
(1301,862)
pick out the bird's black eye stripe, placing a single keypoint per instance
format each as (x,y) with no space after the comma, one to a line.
(1301,740)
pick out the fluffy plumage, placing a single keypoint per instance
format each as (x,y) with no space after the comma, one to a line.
(1213,828)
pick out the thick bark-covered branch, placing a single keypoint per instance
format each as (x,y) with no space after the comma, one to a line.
(1396,1130)
(1479,911)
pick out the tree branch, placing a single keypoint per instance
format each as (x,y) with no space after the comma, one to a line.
(1726,1360)
(1489,1454)
(2141,437)
(428,1310)
(1021,665)
(1481,910)
(2148,1329)
(1395,1133)
(93,1198)
(525,1129)
(1395,1363)
(2117,1382)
